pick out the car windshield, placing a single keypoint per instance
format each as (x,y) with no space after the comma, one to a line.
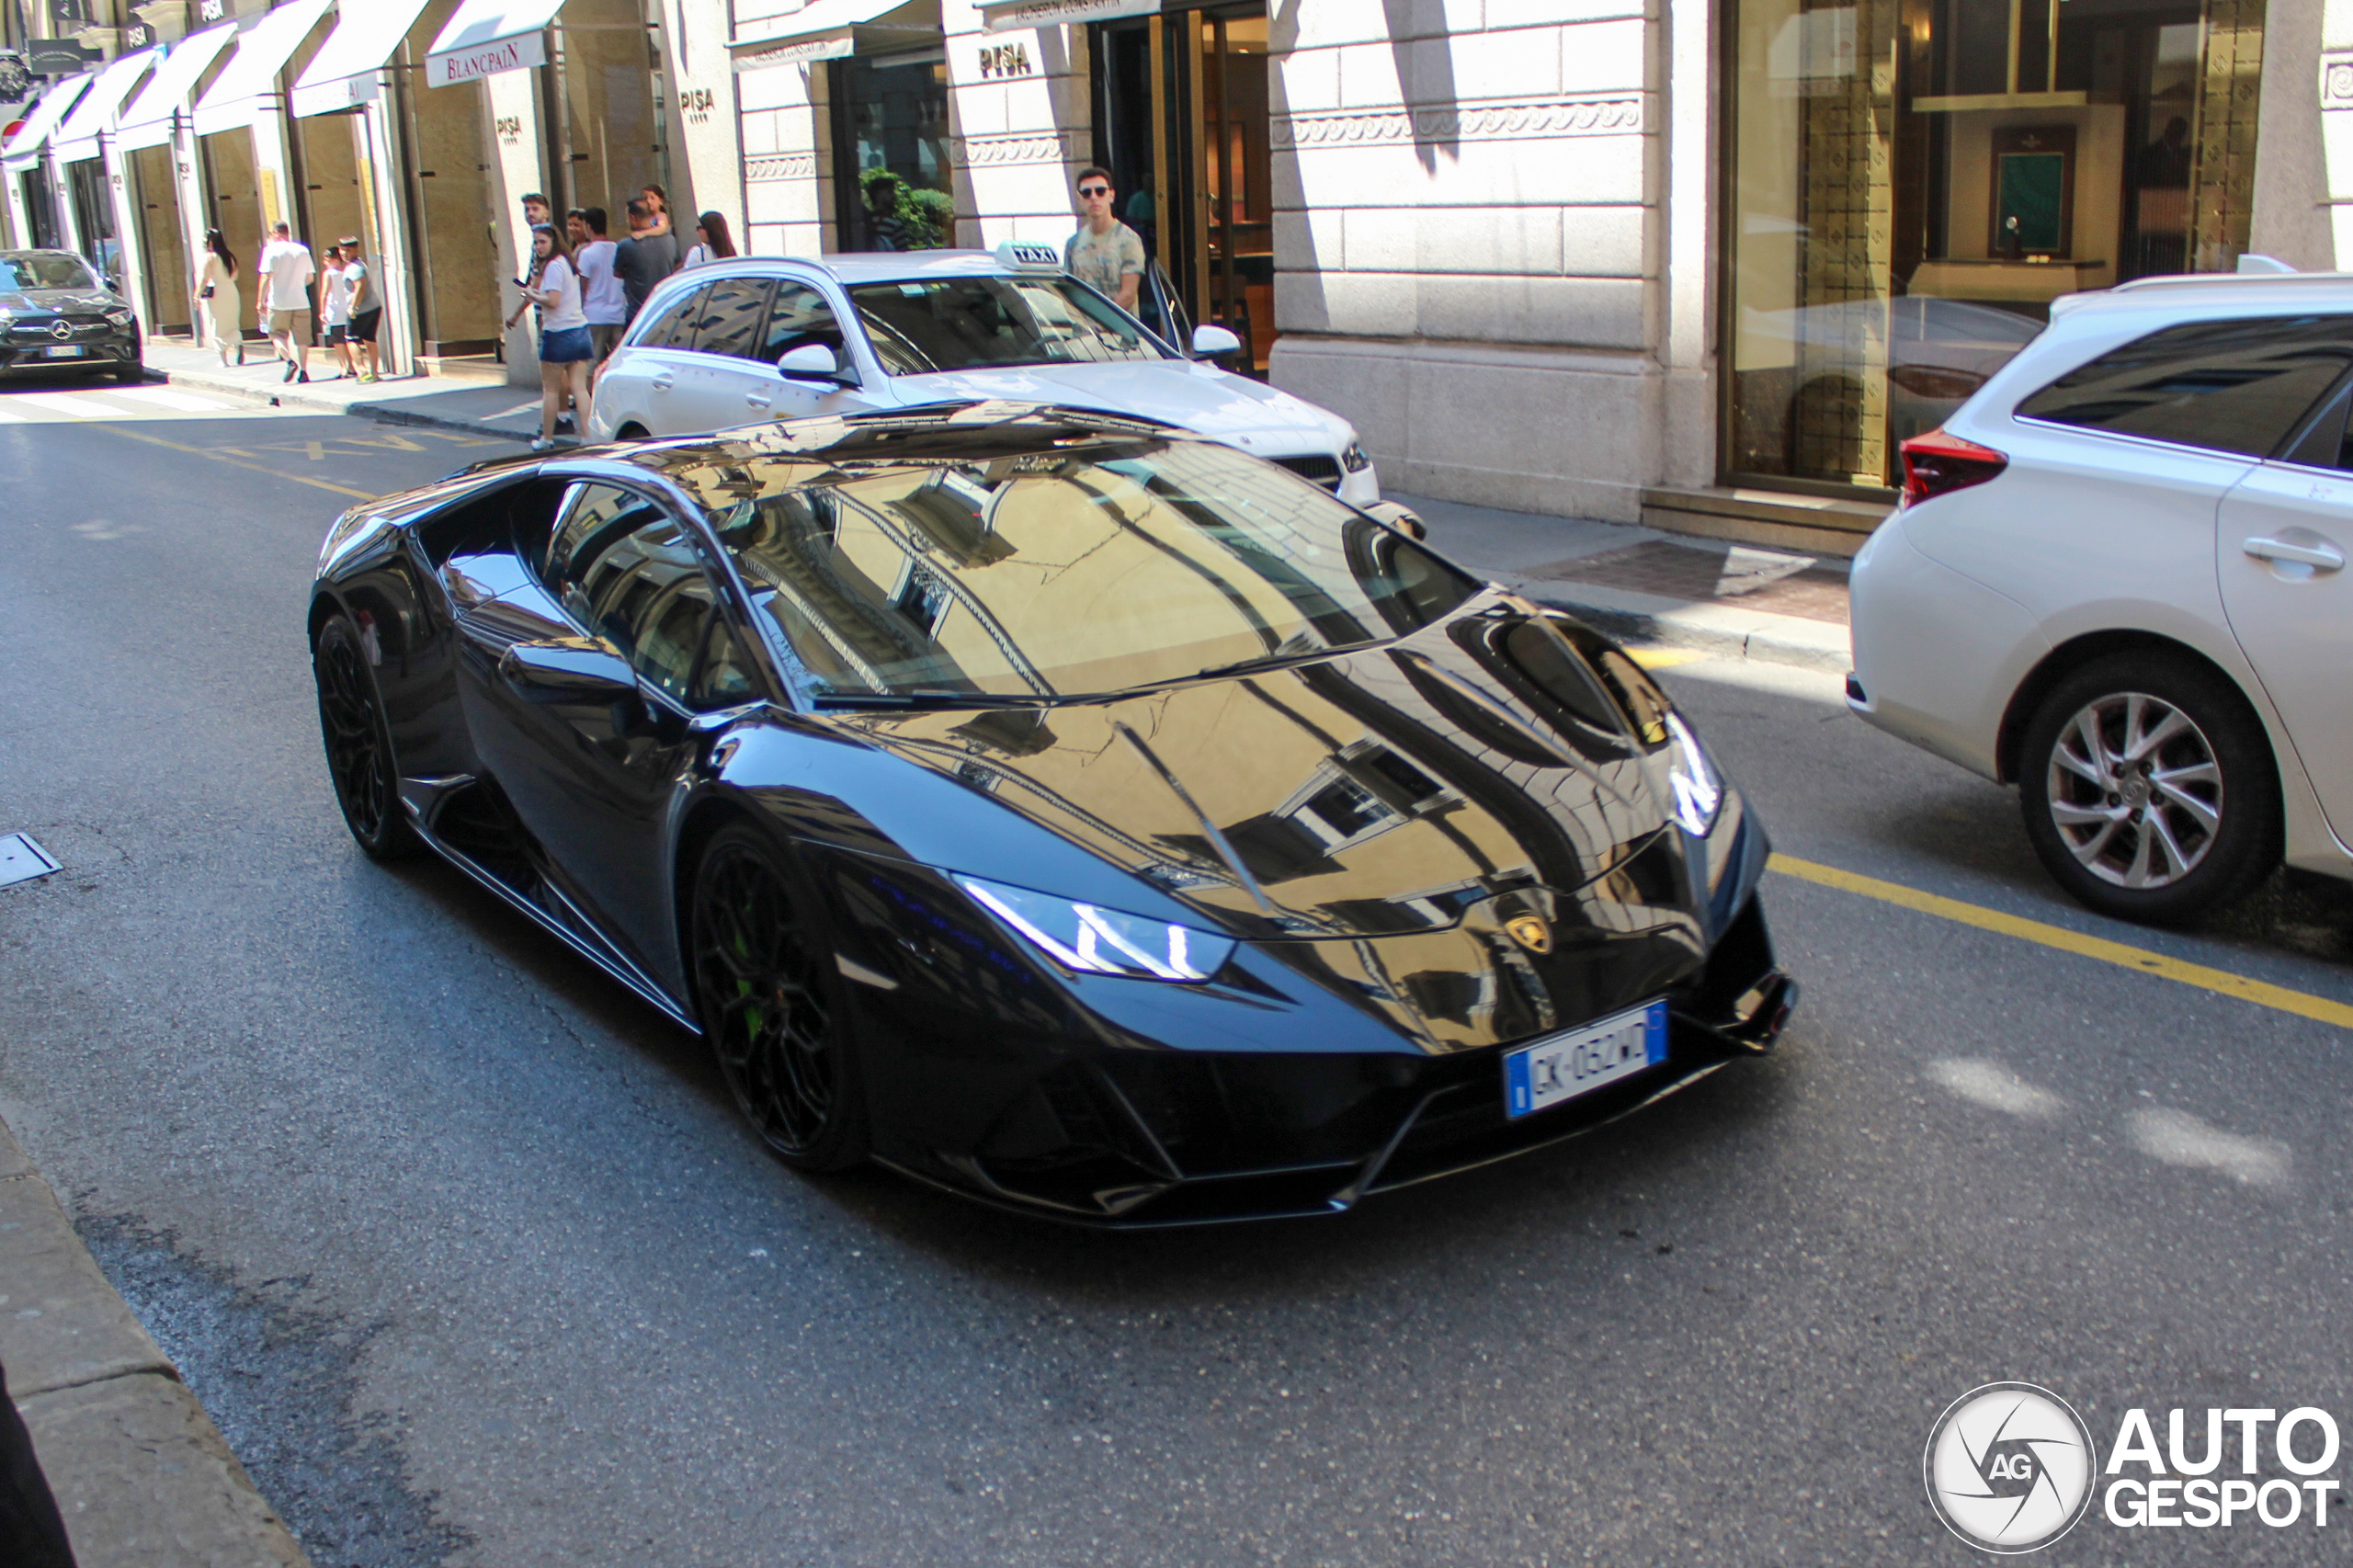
(1061,575)
(21,272)
(921,325)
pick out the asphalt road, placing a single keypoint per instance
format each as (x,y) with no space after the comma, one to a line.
(467,1255)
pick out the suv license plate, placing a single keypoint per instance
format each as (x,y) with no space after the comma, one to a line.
(64,350)
(1583,1060)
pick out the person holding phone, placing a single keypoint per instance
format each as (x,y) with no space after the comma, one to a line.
(566,348)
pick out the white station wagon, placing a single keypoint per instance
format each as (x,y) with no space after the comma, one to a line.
(754,338)
(2119,581)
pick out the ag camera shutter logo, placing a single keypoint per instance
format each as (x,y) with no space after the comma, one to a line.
(2009,1467)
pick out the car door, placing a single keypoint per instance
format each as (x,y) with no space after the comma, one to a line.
(590,776)
(2280,553)
(715,381)
(642,378)
(800,316)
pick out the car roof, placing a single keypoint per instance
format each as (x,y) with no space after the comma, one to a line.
(2199,293)
(872,266)
(714,467)
(12,255)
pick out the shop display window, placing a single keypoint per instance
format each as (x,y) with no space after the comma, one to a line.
(1912,182)
(892,183)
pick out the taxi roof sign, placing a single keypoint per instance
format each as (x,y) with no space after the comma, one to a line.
(1030,256)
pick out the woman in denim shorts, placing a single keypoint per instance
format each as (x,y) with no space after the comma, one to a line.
(566,350)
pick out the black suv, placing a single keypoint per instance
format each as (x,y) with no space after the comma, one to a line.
(58,315)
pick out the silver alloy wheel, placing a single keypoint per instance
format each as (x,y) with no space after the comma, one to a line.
(2134,790)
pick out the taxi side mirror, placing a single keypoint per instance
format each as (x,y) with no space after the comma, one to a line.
(809,362)
(1214,343)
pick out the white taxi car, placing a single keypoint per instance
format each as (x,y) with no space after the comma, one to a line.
(757,338)
(2118,580)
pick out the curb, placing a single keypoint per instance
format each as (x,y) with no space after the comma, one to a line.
(294,397)
(140,1474)
(1714,628)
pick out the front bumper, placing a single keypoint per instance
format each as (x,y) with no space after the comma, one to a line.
(1131,1138)
(26,345)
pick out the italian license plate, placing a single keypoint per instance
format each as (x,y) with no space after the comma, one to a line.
(1583,1060)
(62,350)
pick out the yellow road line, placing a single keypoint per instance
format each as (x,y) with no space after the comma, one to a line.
(2216,979)
(1664,658)
(233,462)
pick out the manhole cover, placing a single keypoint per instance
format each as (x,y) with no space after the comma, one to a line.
(21,859)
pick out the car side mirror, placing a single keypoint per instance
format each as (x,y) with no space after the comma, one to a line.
(809,362)
(1214,343)
(569,670)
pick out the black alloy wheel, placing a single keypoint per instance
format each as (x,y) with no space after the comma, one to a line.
(359,743)
(2149,788)
(771,1004)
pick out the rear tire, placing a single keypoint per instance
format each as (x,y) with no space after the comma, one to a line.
(359,743)
(771,1003)
(2149,788)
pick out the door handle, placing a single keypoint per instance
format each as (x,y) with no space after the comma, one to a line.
(2319,554)
(756,401)
(665,382)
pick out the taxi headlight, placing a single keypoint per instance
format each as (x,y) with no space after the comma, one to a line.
(1094,941)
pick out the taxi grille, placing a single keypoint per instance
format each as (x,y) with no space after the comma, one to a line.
(1317,466)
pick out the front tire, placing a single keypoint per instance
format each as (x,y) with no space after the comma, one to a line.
(771,1004)
(359,743)
(2149,788)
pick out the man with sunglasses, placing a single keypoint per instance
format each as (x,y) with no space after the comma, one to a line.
(1105,251)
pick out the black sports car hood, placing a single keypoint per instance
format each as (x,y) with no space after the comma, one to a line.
(59,302)
(1379,793)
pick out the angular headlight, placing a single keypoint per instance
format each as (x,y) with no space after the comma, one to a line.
(1691,777)
(1094,940)
(1353,458)
(119,318)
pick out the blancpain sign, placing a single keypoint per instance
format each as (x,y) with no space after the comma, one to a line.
(487,59)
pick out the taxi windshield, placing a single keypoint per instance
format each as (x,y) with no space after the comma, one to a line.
(21,272)
(1055,575)
(922,325)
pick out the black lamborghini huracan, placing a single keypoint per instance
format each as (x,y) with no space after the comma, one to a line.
(1092,819)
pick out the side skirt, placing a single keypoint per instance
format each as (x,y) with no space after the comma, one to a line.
(612,964)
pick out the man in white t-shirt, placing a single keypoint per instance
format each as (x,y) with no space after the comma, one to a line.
(286,273)
(601,293)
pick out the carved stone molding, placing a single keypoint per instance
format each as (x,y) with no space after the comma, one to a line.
(1539,119)
(1023,147)
(761,169)
(2337,80)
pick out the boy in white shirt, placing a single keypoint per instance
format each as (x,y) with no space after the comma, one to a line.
(335,311)
(602,298)
(286,272)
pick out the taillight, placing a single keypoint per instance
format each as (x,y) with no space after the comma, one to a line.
(1938,464)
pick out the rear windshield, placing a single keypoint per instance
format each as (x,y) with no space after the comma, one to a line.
(970,324)
(2228,386)
(1057,576)
(20,272)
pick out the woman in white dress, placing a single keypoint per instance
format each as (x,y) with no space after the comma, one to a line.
(216,287)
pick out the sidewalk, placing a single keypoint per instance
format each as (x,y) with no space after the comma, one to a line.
(140,1473)
(475,407)
(1730,600)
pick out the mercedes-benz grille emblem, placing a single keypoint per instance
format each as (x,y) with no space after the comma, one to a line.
(62,330)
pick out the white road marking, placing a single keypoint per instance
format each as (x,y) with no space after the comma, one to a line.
(9,418)
(170,397)
(74,405)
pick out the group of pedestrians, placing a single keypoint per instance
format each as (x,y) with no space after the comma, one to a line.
(587,286)
(348,308)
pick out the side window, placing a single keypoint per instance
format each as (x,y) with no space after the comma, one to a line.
(800,316)
(2324,442)
(675,327)
(2228,386)
(725,678)
(729,322)
(667,633)
(595,516)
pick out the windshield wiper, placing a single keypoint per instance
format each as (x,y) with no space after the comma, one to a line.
(1264,662)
